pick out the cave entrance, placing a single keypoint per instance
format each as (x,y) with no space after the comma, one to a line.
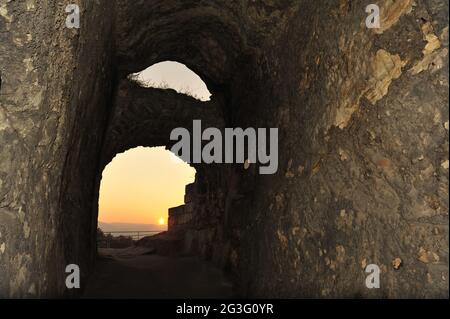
(136,191)
(139,185)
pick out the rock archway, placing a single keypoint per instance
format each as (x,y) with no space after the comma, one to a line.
(363,146)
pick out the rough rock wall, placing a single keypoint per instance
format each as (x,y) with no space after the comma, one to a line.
(213,38)
(204,234)
(363,178)
(55,85)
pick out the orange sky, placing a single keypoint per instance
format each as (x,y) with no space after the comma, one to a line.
(140,185)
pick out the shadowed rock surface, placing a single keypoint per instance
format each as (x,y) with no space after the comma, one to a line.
(166,243)
(363,138)
(131,273)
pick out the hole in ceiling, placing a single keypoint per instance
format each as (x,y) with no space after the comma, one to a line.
(173,75)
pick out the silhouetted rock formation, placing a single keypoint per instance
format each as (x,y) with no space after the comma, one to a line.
(167,243)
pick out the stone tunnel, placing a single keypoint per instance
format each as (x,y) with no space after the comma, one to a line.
(363,125)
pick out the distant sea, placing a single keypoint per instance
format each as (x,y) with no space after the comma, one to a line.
(126,227)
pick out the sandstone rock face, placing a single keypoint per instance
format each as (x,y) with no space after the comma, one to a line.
(363,143)
(55,96)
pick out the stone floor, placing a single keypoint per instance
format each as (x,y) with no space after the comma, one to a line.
(137,273)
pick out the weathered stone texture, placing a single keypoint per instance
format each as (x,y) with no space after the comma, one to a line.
(363,150)
(363,141)
(55,85)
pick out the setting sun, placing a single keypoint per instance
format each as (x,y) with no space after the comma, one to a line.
(140,185)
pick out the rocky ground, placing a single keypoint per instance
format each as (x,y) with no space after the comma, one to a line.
(136,272)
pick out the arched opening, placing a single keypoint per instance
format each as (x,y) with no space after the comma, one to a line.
(173,75)
(137,189)
(138,257)
(146,194)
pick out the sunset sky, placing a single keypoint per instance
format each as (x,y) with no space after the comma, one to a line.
(140,185)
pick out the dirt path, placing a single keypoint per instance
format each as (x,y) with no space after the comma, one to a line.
(130,273)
